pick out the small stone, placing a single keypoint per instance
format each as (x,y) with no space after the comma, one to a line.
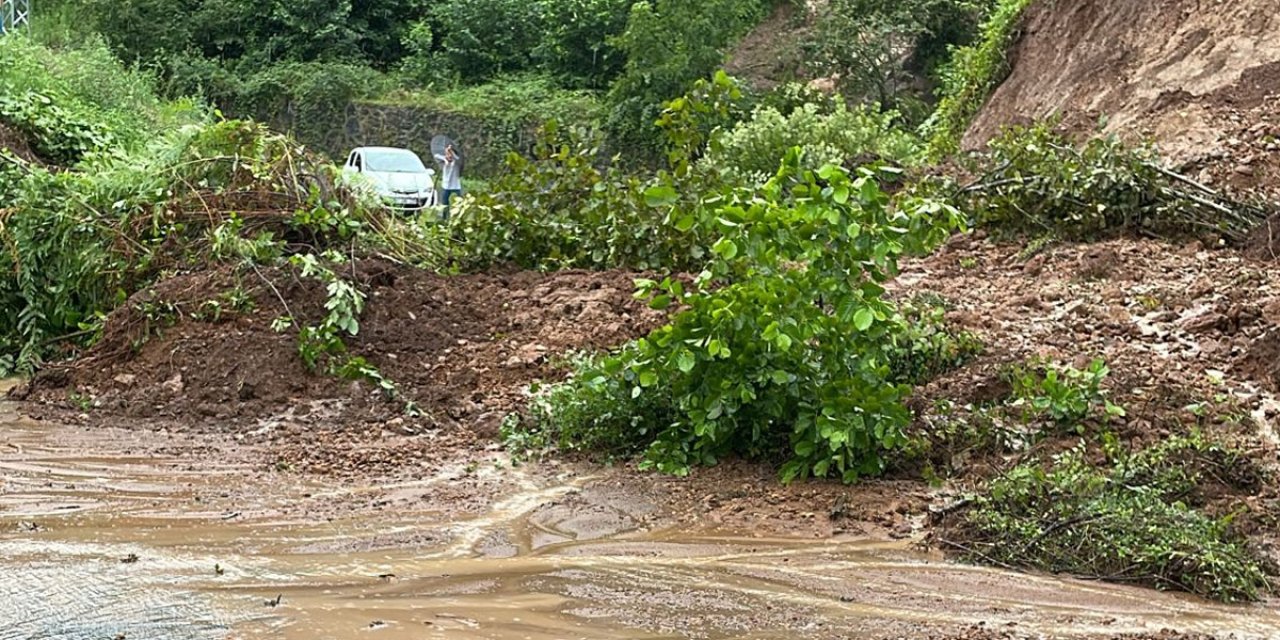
(174,385)
(125,379)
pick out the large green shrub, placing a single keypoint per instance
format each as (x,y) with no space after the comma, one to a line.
(484,38)
(843,137)
(577,44)
(75,101)
(257,33)
(887,51)
(781,347)
(560,209)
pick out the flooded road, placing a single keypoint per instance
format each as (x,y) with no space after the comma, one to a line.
(107,534)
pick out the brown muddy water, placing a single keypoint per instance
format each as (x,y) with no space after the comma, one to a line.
(103,535)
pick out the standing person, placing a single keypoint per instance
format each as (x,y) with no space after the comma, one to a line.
(452,177)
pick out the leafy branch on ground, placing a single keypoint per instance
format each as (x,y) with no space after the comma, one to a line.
(1130,520)
(1033,180)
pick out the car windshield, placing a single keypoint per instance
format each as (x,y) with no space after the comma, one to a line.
(393,162)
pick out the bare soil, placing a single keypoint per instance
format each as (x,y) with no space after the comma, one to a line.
(770,54)
(1198,79)
(461,348)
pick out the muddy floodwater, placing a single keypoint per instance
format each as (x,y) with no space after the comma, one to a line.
(114,534)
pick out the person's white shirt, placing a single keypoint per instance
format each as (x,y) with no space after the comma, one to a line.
(451,178)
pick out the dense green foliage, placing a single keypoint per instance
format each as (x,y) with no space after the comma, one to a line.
(570,40)
(670,44)
(1064,395)
(1133,520)
(560,210)
(887,51)
(781,347)
(972,74)
(843,137)
(598,412)
(254,34)
(80,101)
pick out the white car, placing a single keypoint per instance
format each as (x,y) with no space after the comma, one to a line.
(398,175)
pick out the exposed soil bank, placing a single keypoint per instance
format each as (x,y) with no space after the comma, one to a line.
(1200,80)
(461,348)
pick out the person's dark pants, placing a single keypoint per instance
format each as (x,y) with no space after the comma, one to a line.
(448,195)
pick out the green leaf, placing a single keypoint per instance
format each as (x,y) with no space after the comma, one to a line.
(660,302)
(685,361)
(661,196)
(725,248)
(863,319)
(783,341)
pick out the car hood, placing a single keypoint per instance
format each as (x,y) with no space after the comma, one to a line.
(395,182)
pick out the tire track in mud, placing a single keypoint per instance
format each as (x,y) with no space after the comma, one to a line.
(71,595)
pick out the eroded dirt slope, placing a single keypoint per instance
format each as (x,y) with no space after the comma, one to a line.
(1199,77)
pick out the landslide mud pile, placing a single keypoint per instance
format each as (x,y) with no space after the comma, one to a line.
(1200,79)
(461,348)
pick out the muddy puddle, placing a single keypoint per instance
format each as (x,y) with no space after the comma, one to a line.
(117,535)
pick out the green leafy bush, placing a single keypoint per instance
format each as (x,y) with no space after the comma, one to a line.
(72,102)
(1125,522)
(669,45)
(927,348)
(252,33)
(577,44)
(592,412)
(560,209)
(778,347)
(484,38)
(1064,394)
(972,75)
(843,137)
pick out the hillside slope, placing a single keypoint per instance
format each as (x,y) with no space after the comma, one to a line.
(1199,77)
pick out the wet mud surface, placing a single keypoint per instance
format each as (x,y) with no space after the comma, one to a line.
(106,532)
